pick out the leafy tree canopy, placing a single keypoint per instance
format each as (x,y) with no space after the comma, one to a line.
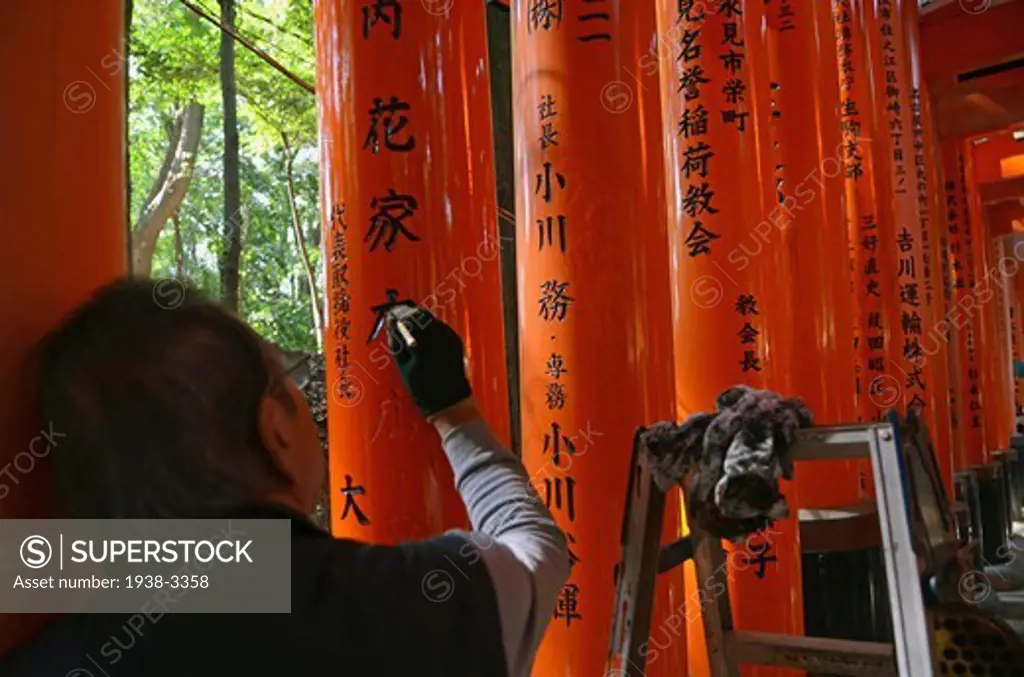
(175,61)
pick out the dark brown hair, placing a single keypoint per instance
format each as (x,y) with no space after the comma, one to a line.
(157,390)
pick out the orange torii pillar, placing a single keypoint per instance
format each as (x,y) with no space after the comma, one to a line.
(868,216)
(63,188)
(595,309)
(990,342)
(946,329)
(1004,268)
(934,341)
(409,209)
(1018,340)
(820,343)
(964,313)
(715,115)
(910,377)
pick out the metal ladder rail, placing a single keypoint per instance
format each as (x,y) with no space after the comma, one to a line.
(909,656)
(728,648)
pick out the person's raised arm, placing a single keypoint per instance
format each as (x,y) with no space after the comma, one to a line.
(523,549)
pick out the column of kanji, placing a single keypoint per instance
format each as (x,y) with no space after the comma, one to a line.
(63,188)
(964,313)
(869,218)
(409,215)
(987,294)
(935,340)
(716,118)
(909,383)
(946,326)
(812,155)
(595,308)
(1004,267)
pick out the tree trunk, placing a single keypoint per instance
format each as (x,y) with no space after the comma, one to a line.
(169,189)
(233,222)
(314,297)
(179,251)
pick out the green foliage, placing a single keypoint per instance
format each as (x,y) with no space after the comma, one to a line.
(174,60)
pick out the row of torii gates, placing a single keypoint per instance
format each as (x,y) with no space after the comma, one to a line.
(821,198)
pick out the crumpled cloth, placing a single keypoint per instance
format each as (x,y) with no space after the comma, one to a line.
(734,457)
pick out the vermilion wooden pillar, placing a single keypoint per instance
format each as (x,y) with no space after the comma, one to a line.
(1004,266)
(595,309)
(911,375)
(935,340)
(964,315)
(950,330)
(409,211)
(987,295)
(1018,336)
(866,218)
(715,115)
(818,281)
(62,184)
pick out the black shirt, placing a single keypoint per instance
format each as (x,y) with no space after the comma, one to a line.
(357,609)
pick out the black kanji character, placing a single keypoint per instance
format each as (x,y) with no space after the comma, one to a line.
(746,304)
(380,311)
(905,240)
(912,349)
(388,222)
(733,61)
(730,9)
(555,441)
(573,558)
(750,361)
(693,122)
(568,604)
(544,14)
(695,160)
(550,228)
(544,181)
(554,495)
(685,11)
(699,239)
(690,48)
(909,294)
(554,302)
(911,323)
(748,334)
(595,16)
(556,366)
(388,11)
(731,34)
(914,379)
(737,118)
(698,199)
(689,81)
(555,396)
(338,218)
(758,554)
(547,135)
(350,492)
(385,113)
(734,89)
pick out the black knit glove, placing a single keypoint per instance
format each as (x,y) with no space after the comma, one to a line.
(432,365)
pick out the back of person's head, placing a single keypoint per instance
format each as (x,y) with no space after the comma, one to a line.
(170,412)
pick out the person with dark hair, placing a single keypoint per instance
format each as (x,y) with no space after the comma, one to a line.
(187,413)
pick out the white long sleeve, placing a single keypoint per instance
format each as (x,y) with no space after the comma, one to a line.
(524,550)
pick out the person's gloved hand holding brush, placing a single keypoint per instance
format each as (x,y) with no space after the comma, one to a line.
(430,358)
